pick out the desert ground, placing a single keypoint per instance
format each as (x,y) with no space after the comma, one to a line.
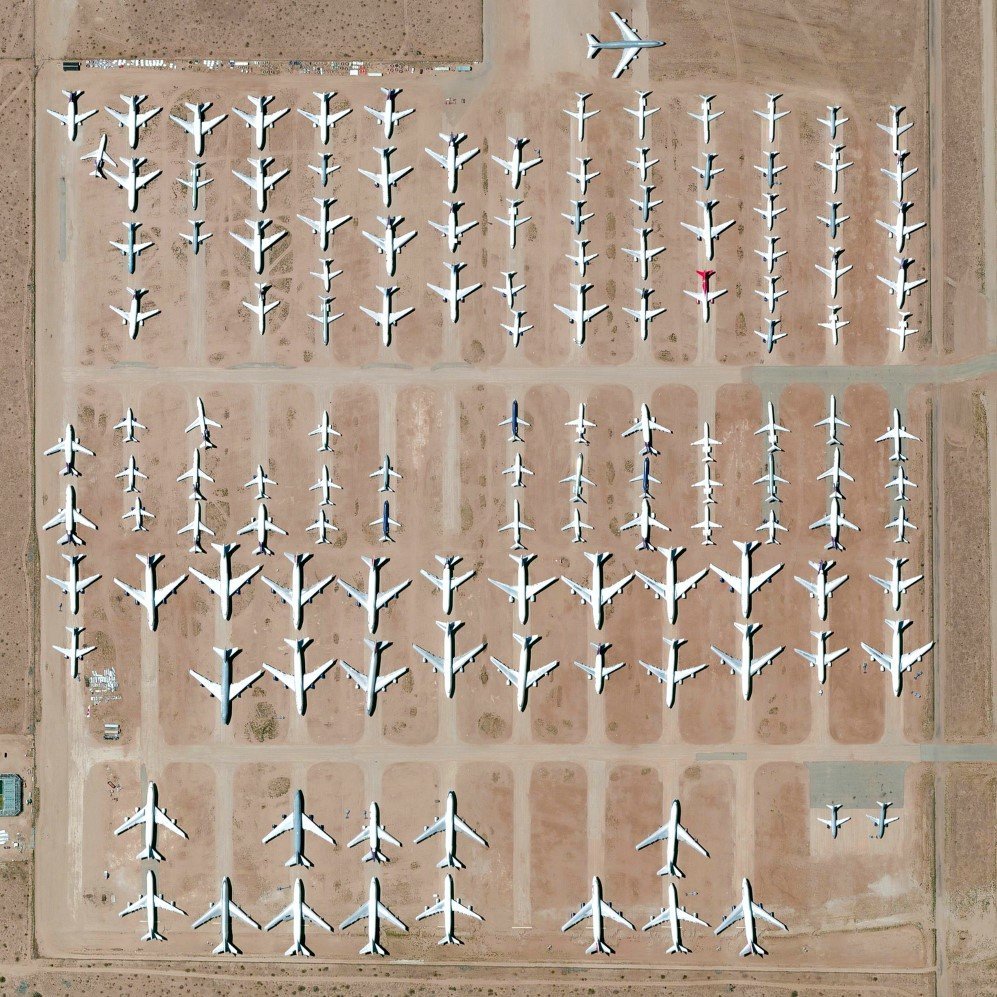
(563,790)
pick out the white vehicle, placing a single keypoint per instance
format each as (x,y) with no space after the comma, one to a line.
(512,219)
(835,472)
(706,115)
(709,171)
(198,126)
(140,514)
(131,316)
(452,160)
(745,584)
(373,682)
(69,516)
(75,652)
(576,526)
(324,431)
(577,479)
(747,910)
(449,825)
(72,586)
(203,425)
(769,170)
(195,236)
(598,595)
(834,521)
(900,286)
(326,119)
(262,525)
(834,822)
(645,520)
(325,317)
(642,112)
(896,433)
(832,121)
(642,164)
(834,272)
(225,690)
(516,329)
(324,226)
(646,205)
(449,664)
(580,114)
(298,822)
(223,910)
(823,587)
(580,425)
(299,680)
(708,232)
(902,329)
(881,822)
(832,421)
(597,909)
(226,585)
(134,118)
(643,254)
(584,177)
(746,665)
(261,182)
(896,661)
(386,472)
(372,835)
(454,294)
(670,588)
(384,178)
(522,593)
(195,183)
(629,45)
(645,424)
(373,910)
(132,182)
(389,117)
(516,525)
(327,274)
(895,129)
(673,833)
(447,582)
(771,430)
(131,249)
(99,157)
(704,295)
(672,915)
(579,315)
(73,117)
(195,476)
(391,244)
(643,315)
(258,243)
(835,166)
(899,230)
(149,817)
(895,585)
(770,212)
(835,323)
(298,912)
(298,595)
(770,295)
(899,175)
(448,905)
(68,446)
(452,230)
(599,671)
(385,317)
(833,221)
(671,676)
(577,218)
(770,337)
(517,167)
(509,290)
(195,528)
(523,677)
(149,597)
(706,484)
(324,486)
(373,600)
(770,115)
(258,119)
(151,902)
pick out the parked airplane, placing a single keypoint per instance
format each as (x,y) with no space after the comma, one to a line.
(577,218)
(644,253)
(900,286)
(373,600)
(645,204)
(385,179)
(149,597)
(325,317)
(373,910)
(99,157)
(770,337)
(203,425)
(834,822)
(324,168)
(834,272)
(580,425)
(597,595)
(581,259)
(522,593)
(326,119)
(823,588)
(902,329)
(896,661)
(523,677)
(323,226)
(900,230)
(69,446)
(131,316)
(298,822)
(770,171)
(196,527)
(834,520)
(196,237)
(894,129)
(298,595)
(327,275)
(645,424)
(74,653)
(597,909)
(223,910)
(645,520)
(198,126)
(771,296)
(745,583)
(770,255)
(673,832)
(771,480)
(195,183)
(832,121)
(385,317)
(835,166)
(642,164)
(576,526)
(130,248)
(577,480)
(385,522)
(372,681)
(447,582)
(73,117)
(449,663)
(770,115)
(391,244)
(132,182)
(324,487)
(899,175)
(512,219)
(298,912)
(140,514)
(454,294)
(449,825)
(895,585)
(672,915)
(149,816)
(705,115)
(386,472)
(389,117)
(452,160)
(705,296)
(324,431)
(670,588)
(580,114)
(298,680)
(258,243)
(72,585)
(584,177)
(706,443)
(372,835)
(195,476)
(225,690)
(258,119)
(451,230)
(747,910)
(833,221)
(834,323)
(630,43)
(514,422)
(225,586)
(708,232)
(882,822)
(643,315)
(261,181)
(642,112)
(448,905)
(150,902)
(835,472)
(896,433)
(517,525)
(746,665)
(901,524)
(579,315)
(262,525)
(832,421)
(134,118)
(322,526)
(671,676)
(599,671)
(517,166)
(708,172)
(516,329)
(69,516)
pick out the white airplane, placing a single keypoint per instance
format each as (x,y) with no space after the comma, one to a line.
(451,230)
(373,600)
(577,218)
(149,597)
(321,527)
(373,910)
(298,912)
(448,905)
(770,212)
(645,520)
(748,910)
(882,822)
(516,525)
(391,244)
(523,677)
(771,296)
(140,514)
(225,690)
(708,172)
(834,822)
(899,175)
(223,909)
(705,115)
(706,443)
(673,833)
(447,582)
(745,584)
(131,249)
(895,585)
(262,525)
(134,118)
(324,486)
(644,253)
(517,469)
(516,329)
(73,117)
(325,317)
(72,585)
(195,183)
(385,179)
(670,588)
(835,323)
(835,166)
(385,317)
(517,166)
(225,586)
(597,909)
(771,480)
(900,286)
(299,680)
(901,523)
(772,526)
(706,485)
(198,126)
(894,129)
(454,294)
(449,663)
(373,834)
(298,595)
(327,274)
(258,243)
(577,479)
(261,181)
(708,232)
(385,522)
(704,295)
(389,117)
(584,177)
(580,114)
(452,161)
(630,44)
(597,595)
(832,121)
(672,915)
(195,236)
(68,446)
(576,526)
(642,112)
(195,476)
(769,170)
(671,676)
(195,528)
(902,330)
(522,593)
(645,424)
(512,219)
(373,682)
(298,822)
(150,902)
(642,164)
(599,671)
(579,315)
(834,272)
(580,425)
(896,433)
(897,661)
(822,658)
(324,431)
(449,824)
(326,119)
(70,516)
(99,157)
(643,315)
(323,226)
(770,115)
(833,221)
(203,425)
(832,421)
(835,472)
(74,653)
(834,520)
(646,204)
(149,816)
(131,316)
(770,337)
(324,168)
(822,588)
(132,182)
(386,472)
(258,119)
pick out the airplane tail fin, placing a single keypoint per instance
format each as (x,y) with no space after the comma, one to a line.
(149,853)
(376,855)
(450,862)
(226,947)
(449,940)
(677,947)
(299,948)
(299,859)
(373,948)
(594,46)
(599,946)
(153,936)
(263,549)
(753,948)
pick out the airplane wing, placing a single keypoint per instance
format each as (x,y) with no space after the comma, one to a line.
(137,594)
(212,687)
(466,157)
(465,291)
(359,597)
(393,178)
(387,837)
(370,176)
(385,597)
(442,292)
(583,593)
(234,908)
(142,901)
(614,590)
(159,816)
(283,677)
(506,671)
(733,663)
(877,656)
(437,908)
(505,166)
(383,911)
(831,586)
(583,912)
(285,825)
(629,54)
(161,595)
(360,913)
(213,583)
(759,911)
(913,657)
(307,912)
(730,580)
(374,239)
(607,911)
(809,586)
(358,677)
(658,835)
(537,674)
(532,591)
(757,581)
(766,659)
(461,825)
(683,835)
(384,681)
(461,909)
(695,230)
(683,915)
(285,915)
(362,836)
(59,517)
(133,821)
(732,918)
(280,591)
(435,828)
(237,583)
(209,915)
(442,160)
(166,905)
(687,673)
(430,659)
(238,688)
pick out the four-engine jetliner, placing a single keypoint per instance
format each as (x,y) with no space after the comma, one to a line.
(372,835)
(747,666)
(822,658)
(225,586)
(670,588)
(447,582)
(297,911)
(149,597)
(449,824)
(597,595)
(151,901)
(748,910)
(373,600)
(225,690)
(149,816)
(373,910)
(223,910)
(630,43)
(673,833)
(299,680)
(298,822)
(672,914)
(373,682)
(896,661)
(597,909)
(523,677)
(448,905)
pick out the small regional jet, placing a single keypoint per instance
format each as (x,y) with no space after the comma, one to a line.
(149,816)
(771,430)
(822,658)
(896,661)
(372,682)
(448,905)
(580,425)
(597,909)
(746,665)
(261,182)
(298,595)
(385,179)
(198,126)
(894,129)
(225,586)
(326,119)
(323,226)
(69,516)
(579,315)
(447,582)
(881,822)
(832,421)
(517,167)
(449,663)
(298,822)
(72,586)
(895,586)
(708,232)
(133,181)
(149,597)
(389,117)
(75,652)
(834,521)
(73,117)
(131,316)
(597,595)
(449,824)
(452,230)
(630,44)
(195,528)
(454,294)
(834,822)
(513,219)
(68,446)
(673,833)
(373,910)
(580,114)
(130,249)
(134,118)
(672,915)
(258,119)
(258,243)
(832,121)
(748,910)
(99,157)
(704,295)
(299,680)
(385,317)
(373,600)
(223,909)
(770,115)
(671,676)
(599,671)
(298,912)
(195,183)
(452,160)
(523,677)
(372,835)
(642,112)
(670,588)
(645,424)
(225,690)
(391,244)
(522,593)
(706,115)
(835,166)
(896,433)
(150,902)
(823,587)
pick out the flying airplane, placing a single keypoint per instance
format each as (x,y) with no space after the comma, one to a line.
(577,218)
(771,296)
(198,126)
(373,682)
(643,315)
(832,121)
(709,232)
(298,912)
(704,295)
(389,117)
(150,902)
(882,822)
(672,915)
(373,600)
(644,520)
(747,910)
(580,114)
(770,171)
(580,425)
(900,286)
(134,118)
(823,588)
(645,424)
(673,833)
(258,119)
(326,119)
(196,237)
(835,472)
(832,421)
(298,822)
(895,585)
(584,177)
(323,226)
(261,182)
(451,230)
(833,221)
(770,255)
(516,525)
(325,317)
(140,514)
(597,595)
(834,272)
(223,909)
(448,905)
(132,182)
(834,822)
(385,179)
(516,167)
(225,690)
(514,422)
(386,472)
(835,166)
(705,115)
(835,323)
(261,308)
(130,248)
(645,204)
(73,117)
(69,446)
(770,337)
(642,164)
(579,315)
(894,129)
(69,516)
(746,665)
(298,595)
(708,172)
(597,909)
(225,586)
(327,275)
(630,44)
(454,294)
(522,593)
(195,183)
(73,586)
(834,520)
(449,663)
(671,676)
(895,435)
(149,816)
(74,653)
(516,329)
(132,317)
(447,582)
(642,112)
(670,588)
(523,677)
(599,671)
(897,661)
(899,175)
(149,597)
(324,486)
(195,476)
(644,253)
(262,525)
(576,526)
(298,679)
(902,329)
(203,425)
(99,157)
(391,244)
(196,527)
(258,243)
(512,219)
(452,160)
(373,910)
(385,317)
(450,824)
(372,835)
(577,479)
